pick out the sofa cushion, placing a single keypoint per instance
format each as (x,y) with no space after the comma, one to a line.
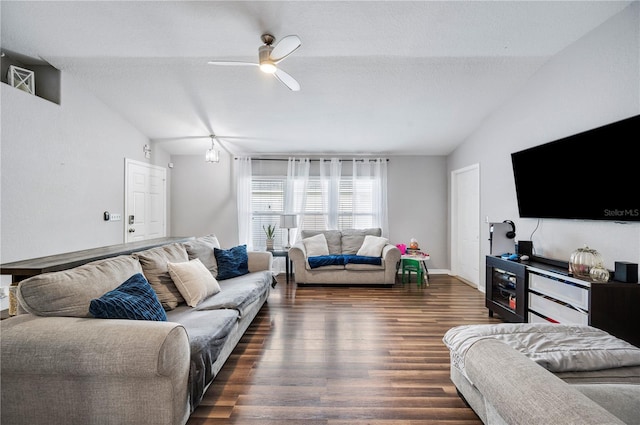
(365,267)
(154,265)
(134,299)
(352,239)
(324,268)
(372,246)
(193,280)
(232,262)
(238,293)
(69,292)
(334,239)
(202,248)
(316,245)
(208,331)
(619,399)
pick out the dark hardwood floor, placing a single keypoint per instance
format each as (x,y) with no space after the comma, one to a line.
(338,355)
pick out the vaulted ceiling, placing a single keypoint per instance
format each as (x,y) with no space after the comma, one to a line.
(385,77)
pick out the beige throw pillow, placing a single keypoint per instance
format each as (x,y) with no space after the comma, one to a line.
(316,245)
(202,248)
(154,265)
(372,246)
(193,280)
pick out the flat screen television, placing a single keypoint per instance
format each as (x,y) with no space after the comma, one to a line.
(593,175)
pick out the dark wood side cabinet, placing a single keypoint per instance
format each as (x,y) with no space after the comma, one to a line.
(615,307)
(506,292)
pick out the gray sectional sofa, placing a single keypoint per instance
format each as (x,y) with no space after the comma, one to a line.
(538,374)
(60,365)
(345,242)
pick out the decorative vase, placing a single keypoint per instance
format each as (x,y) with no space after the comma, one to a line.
(269,244)
(583,260)
(599,274)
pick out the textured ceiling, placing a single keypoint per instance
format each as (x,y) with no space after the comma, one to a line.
(387,77)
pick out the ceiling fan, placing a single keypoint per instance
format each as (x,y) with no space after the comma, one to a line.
(269,56)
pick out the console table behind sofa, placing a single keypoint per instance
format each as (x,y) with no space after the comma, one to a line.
(23,269)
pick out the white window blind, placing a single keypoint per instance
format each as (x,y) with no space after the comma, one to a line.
(267,204)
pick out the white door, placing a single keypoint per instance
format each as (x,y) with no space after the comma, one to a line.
(145,201)
(465,224)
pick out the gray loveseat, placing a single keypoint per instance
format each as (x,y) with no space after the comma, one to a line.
(345,242)
(60,365)
(545,374)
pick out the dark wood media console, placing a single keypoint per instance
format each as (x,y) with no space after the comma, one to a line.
(544,291)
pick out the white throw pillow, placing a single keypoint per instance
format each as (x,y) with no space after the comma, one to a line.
(372,246)
(193,280)
(316,245)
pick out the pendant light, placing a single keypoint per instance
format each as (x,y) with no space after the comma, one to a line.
(212,155)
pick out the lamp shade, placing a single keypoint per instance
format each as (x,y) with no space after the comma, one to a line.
(288,221)
(212,155)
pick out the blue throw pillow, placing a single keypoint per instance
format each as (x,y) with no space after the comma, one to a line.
(232,262)
(134,299)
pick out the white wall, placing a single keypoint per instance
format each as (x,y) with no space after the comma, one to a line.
(62,166)
(417,187)
(203,198)
(594,82)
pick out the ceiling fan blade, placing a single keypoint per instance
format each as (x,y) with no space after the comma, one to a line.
(285,47)
(287,80)
(227,63)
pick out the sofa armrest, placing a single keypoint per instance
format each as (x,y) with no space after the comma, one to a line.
(297,253)
(391,255)
(518,390)
(87,346)
(298,257)
(82,370)
(260,260)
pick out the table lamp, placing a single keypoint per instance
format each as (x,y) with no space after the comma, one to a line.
(288,221)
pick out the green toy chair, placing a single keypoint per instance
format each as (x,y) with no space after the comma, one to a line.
(410,265)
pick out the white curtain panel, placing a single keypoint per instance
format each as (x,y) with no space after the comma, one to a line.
(296,190)
(330,174)
(243,182)
(370,188)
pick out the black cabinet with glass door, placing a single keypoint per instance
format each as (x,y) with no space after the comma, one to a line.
(506,289)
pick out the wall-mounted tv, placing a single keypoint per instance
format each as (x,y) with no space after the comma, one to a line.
(593,175)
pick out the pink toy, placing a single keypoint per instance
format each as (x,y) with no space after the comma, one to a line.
(402,247)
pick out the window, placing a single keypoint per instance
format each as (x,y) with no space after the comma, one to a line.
(355,210)
(267,204)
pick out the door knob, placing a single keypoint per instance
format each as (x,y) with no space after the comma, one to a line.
(131,230)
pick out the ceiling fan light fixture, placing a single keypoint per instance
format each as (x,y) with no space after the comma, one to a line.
(268,67)
(270,56)
(212,155)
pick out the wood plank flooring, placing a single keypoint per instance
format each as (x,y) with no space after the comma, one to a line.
(337,355)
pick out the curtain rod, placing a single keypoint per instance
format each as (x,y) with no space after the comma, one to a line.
(311,160)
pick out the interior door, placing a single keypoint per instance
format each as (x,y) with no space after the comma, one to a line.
(465,224)
(145,201)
